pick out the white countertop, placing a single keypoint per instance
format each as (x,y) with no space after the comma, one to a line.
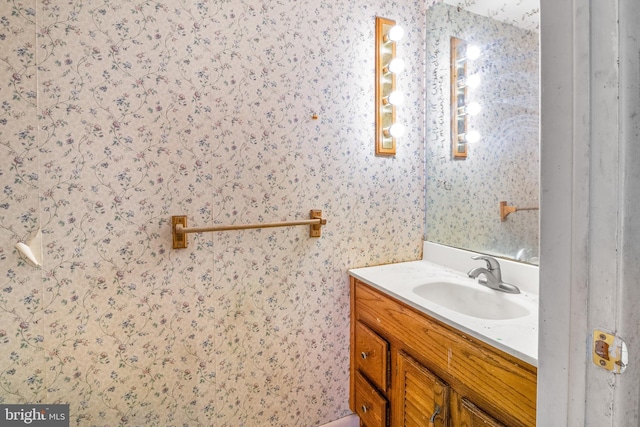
(517,337)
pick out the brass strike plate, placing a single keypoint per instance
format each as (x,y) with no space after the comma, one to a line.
(179,239)
(609,352)
(315,230)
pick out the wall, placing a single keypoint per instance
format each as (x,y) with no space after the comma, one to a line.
(463,196)
(117,115)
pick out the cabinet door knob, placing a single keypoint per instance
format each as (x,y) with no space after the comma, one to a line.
(364,355)
(364,409)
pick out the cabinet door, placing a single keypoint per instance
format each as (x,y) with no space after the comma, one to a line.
(472,416)
(420,396)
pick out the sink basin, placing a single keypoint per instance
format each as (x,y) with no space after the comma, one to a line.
(472,300)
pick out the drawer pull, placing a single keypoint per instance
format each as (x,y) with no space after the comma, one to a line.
(364,355)
(364,409)
(432,420)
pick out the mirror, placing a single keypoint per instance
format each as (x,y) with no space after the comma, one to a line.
(464,194)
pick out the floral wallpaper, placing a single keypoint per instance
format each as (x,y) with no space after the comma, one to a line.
(118,114)
(521,13)
(463,196)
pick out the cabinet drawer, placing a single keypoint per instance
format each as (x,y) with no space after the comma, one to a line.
(370,406)
(371,356)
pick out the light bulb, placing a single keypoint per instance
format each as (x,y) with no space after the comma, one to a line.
(473,81)
(473,52)
(396,130)
(472,137)
(473,108)
(396,33)
(396,66)
(395,98)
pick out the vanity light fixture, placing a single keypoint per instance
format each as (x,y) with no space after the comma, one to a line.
(461,109)
(388,66)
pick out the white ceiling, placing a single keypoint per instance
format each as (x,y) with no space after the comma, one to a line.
(520,13)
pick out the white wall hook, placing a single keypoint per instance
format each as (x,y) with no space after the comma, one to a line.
(32,250)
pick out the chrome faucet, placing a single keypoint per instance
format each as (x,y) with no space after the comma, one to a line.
(492,275)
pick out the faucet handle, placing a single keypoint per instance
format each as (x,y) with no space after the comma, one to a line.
(492,263)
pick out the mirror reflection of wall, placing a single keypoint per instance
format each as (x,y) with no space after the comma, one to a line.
(463,196)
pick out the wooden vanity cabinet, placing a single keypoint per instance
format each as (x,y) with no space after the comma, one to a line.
(407,366)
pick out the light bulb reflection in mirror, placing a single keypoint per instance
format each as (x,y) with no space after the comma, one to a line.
(469,110)
(473,52)
(471,82)
(472,137)
(473,109)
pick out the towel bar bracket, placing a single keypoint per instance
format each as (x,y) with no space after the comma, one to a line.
(316,229)
(179,239)
(506,210)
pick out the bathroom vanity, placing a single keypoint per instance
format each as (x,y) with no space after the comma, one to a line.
(414,362)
